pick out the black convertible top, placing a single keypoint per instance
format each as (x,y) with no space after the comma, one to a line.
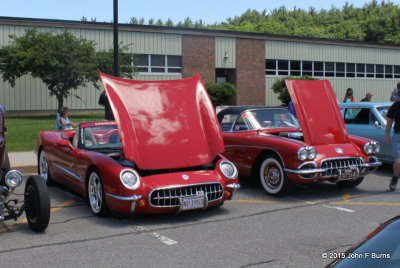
(240,109)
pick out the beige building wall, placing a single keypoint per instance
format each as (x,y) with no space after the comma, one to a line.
(30,94)
(379,87)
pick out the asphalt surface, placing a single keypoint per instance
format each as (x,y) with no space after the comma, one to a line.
(252,230)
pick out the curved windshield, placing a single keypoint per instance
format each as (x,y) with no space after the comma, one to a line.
(270,118)
(101,137)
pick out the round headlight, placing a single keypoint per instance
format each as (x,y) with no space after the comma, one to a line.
(130,179)
(312,153)
(302,153)
(13,178)
(368,148)
(228,169)
(377,147)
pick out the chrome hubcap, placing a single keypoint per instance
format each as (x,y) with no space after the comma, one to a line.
(43,167)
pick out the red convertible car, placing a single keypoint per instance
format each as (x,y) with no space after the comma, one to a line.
(161,154)
(269,143)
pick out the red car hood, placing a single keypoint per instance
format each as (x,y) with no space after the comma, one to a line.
(164,124)
(318,111)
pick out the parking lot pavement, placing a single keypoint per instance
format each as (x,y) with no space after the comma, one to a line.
(26,162)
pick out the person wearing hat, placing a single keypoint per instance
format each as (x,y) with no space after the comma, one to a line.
(368,97)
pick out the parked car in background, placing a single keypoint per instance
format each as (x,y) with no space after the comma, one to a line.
(270,144)
(36,198)
(161,154)
(368,119)
(381,248)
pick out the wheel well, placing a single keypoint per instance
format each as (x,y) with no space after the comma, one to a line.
(259,159)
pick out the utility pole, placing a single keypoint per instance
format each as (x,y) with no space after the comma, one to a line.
(116,64)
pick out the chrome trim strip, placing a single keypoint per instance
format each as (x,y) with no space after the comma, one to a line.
(75,176)
(126,198)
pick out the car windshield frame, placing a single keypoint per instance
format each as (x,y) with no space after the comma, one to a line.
(258,119)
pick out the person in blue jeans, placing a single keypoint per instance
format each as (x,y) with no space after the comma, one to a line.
(65,122)
(393,115)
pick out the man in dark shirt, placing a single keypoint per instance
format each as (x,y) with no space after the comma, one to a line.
(368,97)
(394,115)
(103,100)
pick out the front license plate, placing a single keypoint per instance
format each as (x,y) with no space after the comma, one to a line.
(193,202)
(348,174)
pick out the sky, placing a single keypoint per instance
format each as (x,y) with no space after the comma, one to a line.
(209,11)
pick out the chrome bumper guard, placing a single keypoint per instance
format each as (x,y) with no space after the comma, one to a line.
(134,198)
(322,170)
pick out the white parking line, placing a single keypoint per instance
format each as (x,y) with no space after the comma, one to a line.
(162,238)
(323,205)
(339,208)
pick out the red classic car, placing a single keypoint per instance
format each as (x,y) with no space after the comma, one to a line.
(161,154)
(269,143)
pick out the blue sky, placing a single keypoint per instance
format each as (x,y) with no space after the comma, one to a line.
(210,11)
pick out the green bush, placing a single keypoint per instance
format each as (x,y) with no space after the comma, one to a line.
(279,87)
(220,94)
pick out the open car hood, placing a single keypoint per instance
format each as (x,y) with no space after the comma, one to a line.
(318,111)
(164,124)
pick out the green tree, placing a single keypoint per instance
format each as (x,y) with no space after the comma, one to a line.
(220,94)
(279,87)
(63,62)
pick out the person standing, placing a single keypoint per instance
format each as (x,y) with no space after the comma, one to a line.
(65,122)
(395,93)
(368,97)
(393,115)
(103,101)
(349,96)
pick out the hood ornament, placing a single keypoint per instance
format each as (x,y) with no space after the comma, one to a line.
(339,150)
(185,177)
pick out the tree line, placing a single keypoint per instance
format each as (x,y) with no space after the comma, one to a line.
(377,22)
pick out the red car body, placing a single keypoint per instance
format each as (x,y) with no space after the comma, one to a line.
(161,154)
(274,152)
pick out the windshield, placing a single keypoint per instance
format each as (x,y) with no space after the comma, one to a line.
(270,118)
(101,137)
(383,111)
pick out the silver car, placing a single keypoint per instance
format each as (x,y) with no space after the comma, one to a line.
(368,119)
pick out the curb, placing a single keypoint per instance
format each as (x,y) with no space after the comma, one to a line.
(26,169)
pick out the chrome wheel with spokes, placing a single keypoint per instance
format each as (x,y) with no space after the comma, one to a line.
(96,194)
(43,167)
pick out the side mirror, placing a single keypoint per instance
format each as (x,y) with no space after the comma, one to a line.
(65,143)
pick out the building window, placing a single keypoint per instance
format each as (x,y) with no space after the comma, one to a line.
(151,63)
(331,69)
(270,66)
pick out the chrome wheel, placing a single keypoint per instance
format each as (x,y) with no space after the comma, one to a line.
(96,194)
(44,167)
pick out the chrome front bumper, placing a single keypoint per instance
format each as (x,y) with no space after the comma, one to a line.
(300,172)
(134,198)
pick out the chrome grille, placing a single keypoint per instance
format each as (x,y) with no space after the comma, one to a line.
(169,197)
(334,165)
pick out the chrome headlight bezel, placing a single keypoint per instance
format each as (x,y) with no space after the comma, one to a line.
(302,153)
(130,179)
(305,153)
(312,153)
(377,147)
(232,174)
(13,178)
(369,148)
